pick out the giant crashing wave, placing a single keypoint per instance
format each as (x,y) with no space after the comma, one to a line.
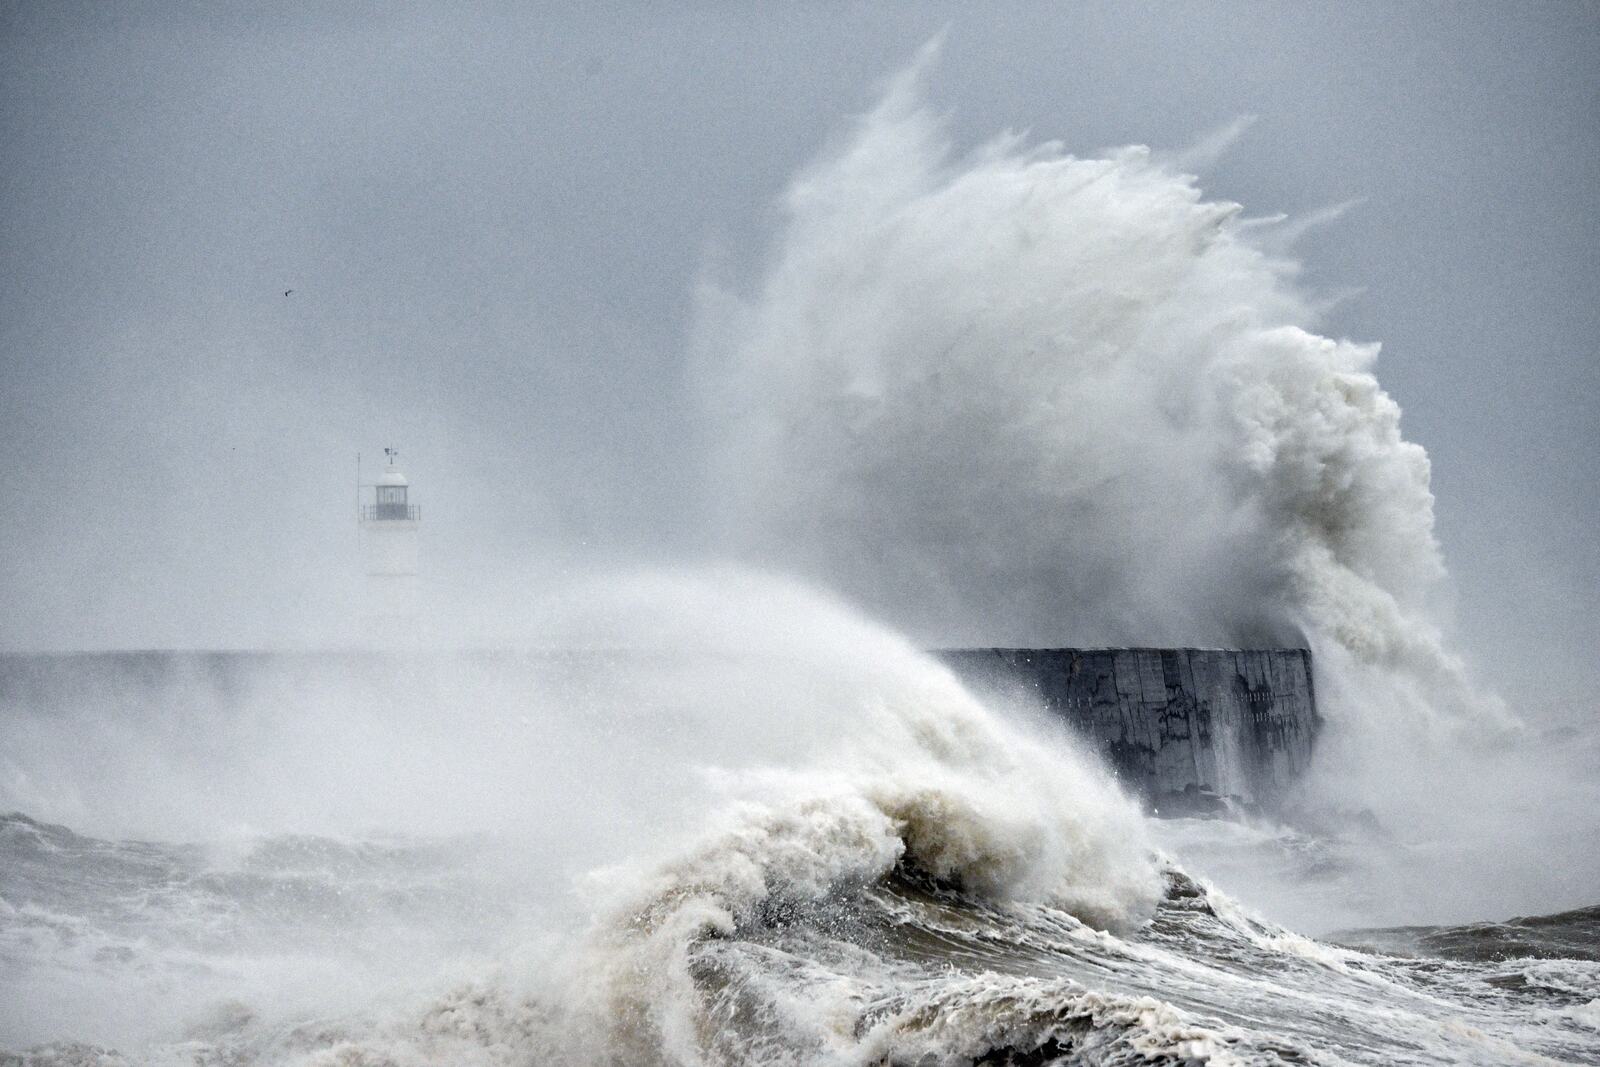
(1016,397)
(849,859)
(940,885)
(1019,397)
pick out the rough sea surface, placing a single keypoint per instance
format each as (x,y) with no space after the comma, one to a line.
(830,855)
(891,967)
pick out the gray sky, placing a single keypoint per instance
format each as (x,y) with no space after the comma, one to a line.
(493,218)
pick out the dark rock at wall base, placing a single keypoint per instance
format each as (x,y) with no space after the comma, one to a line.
(1192,802)
(1193,731)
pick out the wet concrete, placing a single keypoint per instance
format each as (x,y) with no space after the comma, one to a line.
(1191,730)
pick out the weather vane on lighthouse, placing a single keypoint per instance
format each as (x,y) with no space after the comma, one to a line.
(389,535)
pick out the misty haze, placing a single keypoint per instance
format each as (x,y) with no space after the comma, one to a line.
(725,534)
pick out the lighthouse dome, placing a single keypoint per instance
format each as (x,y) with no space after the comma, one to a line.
(392,477)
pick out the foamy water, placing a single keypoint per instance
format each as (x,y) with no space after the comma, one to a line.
(789,841)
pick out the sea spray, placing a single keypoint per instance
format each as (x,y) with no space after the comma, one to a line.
(748,740)
(1022,397)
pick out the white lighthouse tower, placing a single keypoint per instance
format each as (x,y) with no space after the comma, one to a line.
(389,529)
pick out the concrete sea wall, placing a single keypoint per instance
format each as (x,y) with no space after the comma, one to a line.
(1187,729)
(1192,730)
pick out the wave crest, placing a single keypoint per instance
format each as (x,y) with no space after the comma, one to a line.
(1023,397)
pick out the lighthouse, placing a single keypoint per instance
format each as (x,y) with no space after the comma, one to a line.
(389,528)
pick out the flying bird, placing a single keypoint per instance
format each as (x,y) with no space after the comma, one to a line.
(286,292)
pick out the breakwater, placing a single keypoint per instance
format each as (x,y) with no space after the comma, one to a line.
(1189,730)
(1192,730)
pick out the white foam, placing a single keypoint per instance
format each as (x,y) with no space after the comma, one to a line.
(1023,397)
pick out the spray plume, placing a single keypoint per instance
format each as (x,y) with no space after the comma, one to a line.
(1022,397)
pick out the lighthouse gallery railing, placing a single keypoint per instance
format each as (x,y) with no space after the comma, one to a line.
(385,512)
